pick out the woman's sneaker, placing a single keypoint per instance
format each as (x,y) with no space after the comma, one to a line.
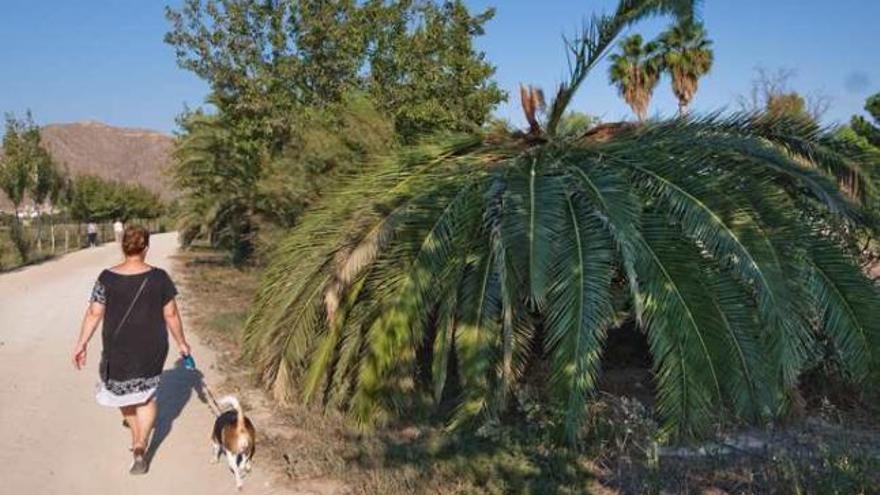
(139,466)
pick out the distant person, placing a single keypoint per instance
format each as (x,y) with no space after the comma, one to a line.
(137,303)
(92,234)
(118,229)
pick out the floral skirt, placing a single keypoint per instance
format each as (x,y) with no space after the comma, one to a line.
(112,393)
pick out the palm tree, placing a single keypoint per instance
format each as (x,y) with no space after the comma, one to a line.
(445,272)
(635,71)
(217,176)
(687,55)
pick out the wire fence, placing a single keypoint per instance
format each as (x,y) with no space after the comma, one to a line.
(48,237)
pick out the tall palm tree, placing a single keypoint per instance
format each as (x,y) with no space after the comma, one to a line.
(687,56)
(446,271)
(636,71)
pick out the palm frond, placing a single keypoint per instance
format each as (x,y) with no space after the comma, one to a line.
(618,207)
(396,332)
(476,338)
(597,35)
(846,305)
(579,309)
(683,329)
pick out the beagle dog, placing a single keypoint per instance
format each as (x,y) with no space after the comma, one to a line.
(234,436)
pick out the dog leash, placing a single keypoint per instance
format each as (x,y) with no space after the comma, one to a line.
(190,364)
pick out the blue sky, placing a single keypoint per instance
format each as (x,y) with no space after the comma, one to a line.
(105,60)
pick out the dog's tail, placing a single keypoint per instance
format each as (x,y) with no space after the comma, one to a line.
(230,400)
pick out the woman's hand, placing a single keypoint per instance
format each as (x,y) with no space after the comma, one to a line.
(79,356)
(94,314)
(175,326)
(184,349)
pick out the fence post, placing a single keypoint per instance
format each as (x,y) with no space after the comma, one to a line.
(52,234)
(66,238)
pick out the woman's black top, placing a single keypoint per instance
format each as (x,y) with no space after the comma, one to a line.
(139,349)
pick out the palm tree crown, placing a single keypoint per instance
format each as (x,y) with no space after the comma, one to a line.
(635,71)
(687,55)
(448,271)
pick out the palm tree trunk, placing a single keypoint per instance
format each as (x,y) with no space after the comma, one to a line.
(682,108)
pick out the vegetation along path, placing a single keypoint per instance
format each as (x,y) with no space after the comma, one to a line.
(56,439)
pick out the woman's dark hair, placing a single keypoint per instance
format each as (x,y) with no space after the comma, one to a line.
(135,240)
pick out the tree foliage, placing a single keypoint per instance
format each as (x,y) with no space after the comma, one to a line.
(26,168)
(865,128)
(231,186)
(27,172)
(332,144)
(216,173)
(301,87)
(266,60)
(687,56)
(636,71)
(91,198)
(429,77)
(856,141)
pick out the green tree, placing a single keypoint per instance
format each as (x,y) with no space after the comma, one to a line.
(861,141)
(24,159)
(137,202)
(636,71)
(333,144)
(489,255)
(430,78)
(45,184)
(865,128)
(92,198)
(687,55)
(266,60)
(26,172)
(286,74)
(218,176)
(230,190)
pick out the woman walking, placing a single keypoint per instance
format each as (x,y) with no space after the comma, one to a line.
(137,303)
(92,233)
(118,230)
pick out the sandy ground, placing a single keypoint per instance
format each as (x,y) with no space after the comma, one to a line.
(54,438)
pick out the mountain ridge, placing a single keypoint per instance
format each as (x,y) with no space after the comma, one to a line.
(126,154)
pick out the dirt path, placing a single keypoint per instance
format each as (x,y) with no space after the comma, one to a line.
(54,438)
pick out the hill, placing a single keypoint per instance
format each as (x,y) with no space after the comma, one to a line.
(117,153)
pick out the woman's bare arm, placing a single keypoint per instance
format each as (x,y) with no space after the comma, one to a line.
(94,314)
(175,325)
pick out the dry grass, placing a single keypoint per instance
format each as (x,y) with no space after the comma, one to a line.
(319,452)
